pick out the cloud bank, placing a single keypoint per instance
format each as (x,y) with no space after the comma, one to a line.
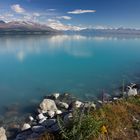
(56,24)
(80,11)
(17,8)
(64,17)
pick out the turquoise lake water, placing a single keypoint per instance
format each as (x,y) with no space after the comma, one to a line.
(34,66)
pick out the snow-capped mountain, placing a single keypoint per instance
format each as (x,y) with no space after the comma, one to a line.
(24,26)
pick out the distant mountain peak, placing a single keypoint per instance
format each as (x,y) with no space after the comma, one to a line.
(2,22)
(25,27)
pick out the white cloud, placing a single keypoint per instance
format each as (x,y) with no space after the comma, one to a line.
(51,9)
(56,24)
(80,11)
(36,14)
(6,17)
(51,20)
(17,8)
(64,17)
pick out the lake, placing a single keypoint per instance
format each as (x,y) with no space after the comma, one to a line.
(34,66)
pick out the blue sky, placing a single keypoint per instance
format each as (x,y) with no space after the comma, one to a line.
(77,13)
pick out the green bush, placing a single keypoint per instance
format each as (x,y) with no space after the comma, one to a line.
(82,126)
(134,100)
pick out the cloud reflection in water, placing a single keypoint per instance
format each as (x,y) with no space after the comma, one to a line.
(22,46)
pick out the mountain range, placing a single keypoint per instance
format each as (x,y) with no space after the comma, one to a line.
(111,31)
(29,27)
(25,27)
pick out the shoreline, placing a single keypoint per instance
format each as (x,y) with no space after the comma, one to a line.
(44,117)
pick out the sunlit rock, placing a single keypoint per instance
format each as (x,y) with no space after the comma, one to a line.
(48,104)
(132,91)
(78,104)
(56,95)
(31,118)
(25,126)
(51,113)
(41,116)
(2,134)
(58,112)
(42,120)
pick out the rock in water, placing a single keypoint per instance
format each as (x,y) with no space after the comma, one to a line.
(25,126)
(31,118)
(56,95)
(2,134)
(48,104)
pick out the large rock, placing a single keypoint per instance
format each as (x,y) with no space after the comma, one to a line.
(48,123)
(62,105)
(2,134)
(78,104)
(38,129)
(48,104)
(132,91)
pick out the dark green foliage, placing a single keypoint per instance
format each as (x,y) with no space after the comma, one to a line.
(134,100)
(81,127)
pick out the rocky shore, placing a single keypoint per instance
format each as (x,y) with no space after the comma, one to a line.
(44,118)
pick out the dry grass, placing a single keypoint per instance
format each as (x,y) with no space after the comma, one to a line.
(118,118)
(47,136)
